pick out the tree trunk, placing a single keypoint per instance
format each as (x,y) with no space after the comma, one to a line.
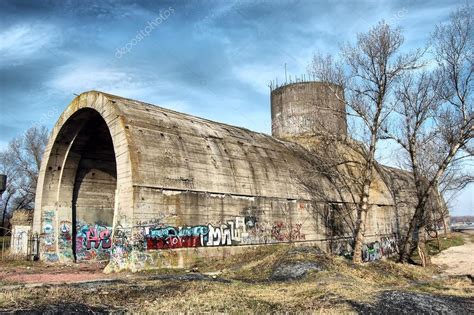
(361,219)
(359,237)
(406,248)
(445,225)
(422,252)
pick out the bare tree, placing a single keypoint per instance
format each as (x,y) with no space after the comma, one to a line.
(367,72)
(435,126)
(21,162)
(329,179)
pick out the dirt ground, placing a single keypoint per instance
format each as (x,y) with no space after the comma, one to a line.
(38,273)
(281,279)
(458,260)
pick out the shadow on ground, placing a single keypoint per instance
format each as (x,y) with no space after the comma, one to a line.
(400,302)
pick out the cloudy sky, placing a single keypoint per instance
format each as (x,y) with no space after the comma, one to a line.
(208,58)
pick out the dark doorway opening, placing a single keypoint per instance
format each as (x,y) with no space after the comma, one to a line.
(93,194)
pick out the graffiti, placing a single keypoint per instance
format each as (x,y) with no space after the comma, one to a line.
(287,232)
(385,247)
(389,245)
(98,238)
(48,244)
(65,239)
(19,239)
(121,247)
(170,237)
(242,230)
(371,251)
(93,242)
(250,222)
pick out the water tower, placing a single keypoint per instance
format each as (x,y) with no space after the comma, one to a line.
(308,109)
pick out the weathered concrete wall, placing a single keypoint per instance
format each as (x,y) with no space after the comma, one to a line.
(22,221)
(19,239)
(128,181)
(308,108)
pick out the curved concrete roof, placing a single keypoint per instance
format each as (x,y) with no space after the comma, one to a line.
(173,150)
(160,148)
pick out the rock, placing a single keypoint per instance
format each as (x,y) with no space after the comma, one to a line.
(297,262)
(293,271)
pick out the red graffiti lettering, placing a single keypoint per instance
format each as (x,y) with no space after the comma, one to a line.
(98,238)
(173,242)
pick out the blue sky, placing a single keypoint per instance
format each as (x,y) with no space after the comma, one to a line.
(208,58)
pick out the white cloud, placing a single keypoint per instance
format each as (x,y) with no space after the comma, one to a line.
(86,76)
(21,42)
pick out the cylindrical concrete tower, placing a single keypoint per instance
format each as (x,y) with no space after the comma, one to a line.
(308,108)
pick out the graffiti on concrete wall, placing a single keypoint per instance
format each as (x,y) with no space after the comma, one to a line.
(282,231)
(93,241)
(384,247)
(19,239)
(65,239)
(389,245)
(371,251)
(241,230)
(171,237)
(48,245)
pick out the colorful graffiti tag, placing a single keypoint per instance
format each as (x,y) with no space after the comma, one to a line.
(242,230)
(170,237)
(93,242)
(385,247)
(48,247)
(65,239)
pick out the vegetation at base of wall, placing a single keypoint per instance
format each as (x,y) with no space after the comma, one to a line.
(241,283)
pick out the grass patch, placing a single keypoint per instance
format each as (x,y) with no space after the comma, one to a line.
(445,242)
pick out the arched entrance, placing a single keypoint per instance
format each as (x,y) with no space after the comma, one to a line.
(79,202)
(93,195)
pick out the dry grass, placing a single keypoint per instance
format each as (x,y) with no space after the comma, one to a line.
(445,242)
(249,290)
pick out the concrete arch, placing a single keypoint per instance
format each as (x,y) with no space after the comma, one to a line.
(85,173)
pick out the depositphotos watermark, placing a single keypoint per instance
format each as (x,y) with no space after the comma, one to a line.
(144,33)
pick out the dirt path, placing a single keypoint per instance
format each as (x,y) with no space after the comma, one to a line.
(458,260)
(51,274)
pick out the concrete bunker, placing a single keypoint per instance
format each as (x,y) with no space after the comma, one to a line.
(147,187)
